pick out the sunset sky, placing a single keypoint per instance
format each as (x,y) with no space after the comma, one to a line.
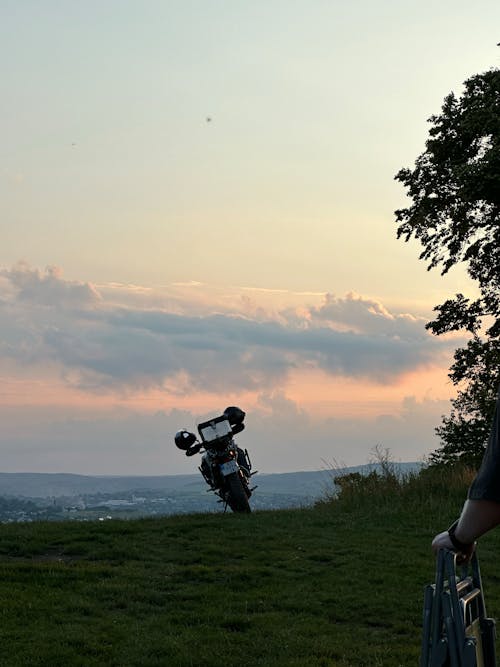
(197,210)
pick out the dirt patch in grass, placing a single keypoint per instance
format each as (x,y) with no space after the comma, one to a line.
(53,556)
(49,556)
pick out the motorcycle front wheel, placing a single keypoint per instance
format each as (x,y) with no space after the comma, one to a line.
(236,496)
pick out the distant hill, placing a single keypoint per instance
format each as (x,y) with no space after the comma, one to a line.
(41,485)
(305,484)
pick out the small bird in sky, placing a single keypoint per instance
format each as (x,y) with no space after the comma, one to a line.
(208,119)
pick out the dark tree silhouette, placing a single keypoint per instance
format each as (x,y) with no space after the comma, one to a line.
(455,215)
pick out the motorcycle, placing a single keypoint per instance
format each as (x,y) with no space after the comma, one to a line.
(224,466)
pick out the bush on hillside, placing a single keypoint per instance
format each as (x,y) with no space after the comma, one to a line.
(385,485)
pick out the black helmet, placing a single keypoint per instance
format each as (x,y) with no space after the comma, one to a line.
(184,439)
(234,415)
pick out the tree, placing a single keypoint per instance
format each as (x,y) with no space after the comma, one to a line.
(455,215)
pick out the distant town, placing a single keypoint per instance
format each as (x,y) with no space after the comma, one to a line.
(129,505)
(46,497)
(59,497)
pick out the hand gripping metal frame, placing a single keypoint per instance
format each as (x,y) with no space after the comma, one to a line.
(456,632)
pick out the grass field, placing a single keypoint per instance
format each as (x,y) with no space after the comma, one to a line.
(337,584)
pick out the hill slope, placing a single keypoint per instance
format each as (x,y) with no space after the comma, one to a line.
(336,584)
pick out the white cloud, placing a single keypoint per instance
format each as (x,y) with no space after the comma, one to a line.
(122,339)
(48,288)
(361,315)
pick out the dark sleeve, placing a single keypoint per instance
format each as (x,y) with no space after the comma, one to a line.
(486,485)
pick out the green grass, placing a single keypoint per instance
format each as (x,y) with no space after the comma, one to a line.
(337,584)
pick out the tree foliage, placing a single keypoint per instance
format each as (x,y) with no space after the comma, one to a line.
(455,215)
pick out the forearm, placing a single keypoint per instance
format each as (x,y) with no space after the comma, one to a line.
(477,518)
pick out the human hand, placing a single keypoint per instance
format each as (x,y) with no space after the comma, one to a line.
(443,541)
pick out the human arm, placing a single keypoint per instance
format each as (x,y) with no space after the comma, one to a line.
(477,518)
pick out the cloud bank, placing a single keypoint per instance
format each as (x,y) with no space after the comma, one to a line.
(128,338)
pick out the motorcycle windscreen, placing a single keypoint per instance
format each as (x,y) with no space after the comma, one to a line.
(215,429)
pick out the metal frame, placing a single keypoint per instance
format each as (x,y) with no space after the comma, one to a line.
(456,632)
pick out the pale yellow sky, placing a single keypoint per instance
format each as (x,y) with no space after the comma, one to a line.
(111,170)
